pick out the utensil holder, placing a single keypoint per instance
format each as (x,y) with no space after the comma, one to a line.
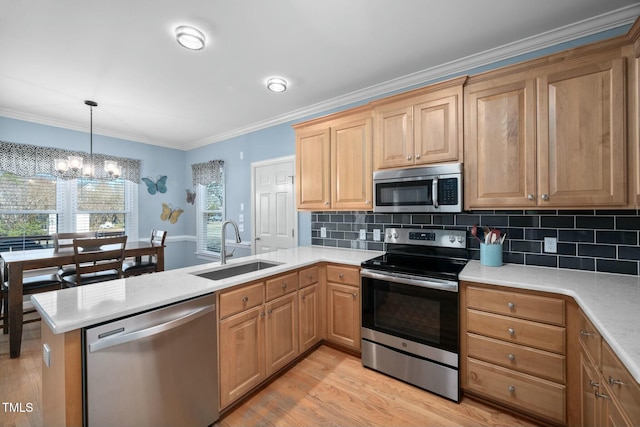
(491,254)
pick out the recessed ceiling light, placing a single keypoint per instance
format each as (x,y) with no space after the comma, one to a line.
(190,37)
(277,84)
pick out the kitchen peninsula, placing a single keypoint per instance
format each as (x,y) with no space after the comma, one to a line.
(609,301)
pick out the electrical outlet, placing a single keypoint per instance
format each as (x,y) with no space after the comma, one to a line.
(323,231)
(376,235)
(551,245)
(363,234)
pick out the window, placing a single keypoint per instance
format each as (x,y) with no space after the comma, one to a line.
(31,209)
(28,211)
(210,199)
(36,200)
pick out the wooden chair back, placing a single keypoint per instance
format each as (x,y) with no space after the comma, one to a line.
(93,255)
(64,241)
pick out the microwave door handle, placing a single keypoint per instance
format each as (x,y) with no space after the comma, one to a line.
(434,192)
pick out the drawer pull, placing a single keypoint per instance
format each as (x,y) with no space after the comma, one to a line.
(586,333)
(593,385)
(511,389)
(341,276)
(600,395)
(355,295)
(262,314)
(270,311)
(511,331)
(511,305)
(245,299)
(613,381)
(284,285)
(511,356)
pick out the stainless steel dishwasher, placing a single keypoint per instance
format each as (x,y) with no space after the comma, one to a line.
(157,368)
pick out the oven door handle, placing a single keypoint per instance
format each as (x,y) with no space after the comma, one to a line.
(444,285)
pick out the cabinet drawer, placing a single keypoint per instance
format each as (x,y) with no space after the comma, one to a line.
(281,285)
(521,391)
(308,276)
(628,393)
(517,357)
(237,300)
(517,331)
(344,275)
(589,338)
(524,306)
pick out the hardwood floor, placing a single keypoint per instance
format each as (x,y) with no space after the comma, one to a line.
(327,388)
(332,388)
(21,380)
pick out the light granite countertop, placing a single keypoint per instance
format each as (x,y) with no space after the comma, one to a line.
(610,301)
(76,308)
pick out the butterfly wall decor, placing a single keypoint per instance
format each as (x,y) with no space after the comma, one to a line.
(191,196)
(170,214)
(159,185)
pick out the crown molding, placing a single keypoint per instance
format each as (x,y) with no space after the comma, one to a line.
(615,19)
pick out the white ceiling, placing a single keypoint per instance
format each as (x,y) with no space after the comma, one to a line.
(123,55)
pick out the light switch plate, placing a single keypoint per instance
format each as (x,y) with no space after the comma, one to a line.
(363,234)
(376,235)
(323,231)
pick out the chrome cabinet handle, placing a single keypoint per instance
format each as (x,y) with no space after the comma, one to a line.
(511,305)
(417,156)
(326,203)
(530,196)
(592,384)
(600,395)
(511,356)
(284,285)
(367,202)
(586,333)
(408,157)
(613,381)
(511,389)
(245,299)
(262,314)
(341,276)
(545,197)
(355,295)
(511,331)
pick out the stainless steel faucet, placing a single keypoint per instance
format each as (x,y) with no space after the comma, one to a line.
(223,237)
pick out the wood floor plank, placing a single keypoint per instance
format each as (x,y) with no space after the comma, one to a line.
(332,388)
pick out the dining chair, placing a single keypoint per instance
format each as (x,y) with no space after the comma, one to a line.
(97,259)
(64,242)
(30,285)
(149,264)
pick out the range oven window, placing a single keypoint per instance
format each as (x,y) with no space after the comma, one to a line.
(424,315)
(404,193)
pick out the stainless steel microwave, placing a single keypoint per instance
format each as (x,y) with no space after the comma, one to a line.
(435,188)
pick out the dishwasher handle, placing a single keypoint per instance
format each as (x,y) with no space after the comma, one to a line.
(147,332)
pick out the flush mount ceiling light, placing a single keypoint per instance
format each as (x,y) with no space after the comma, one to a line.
(277,84)
(190,37)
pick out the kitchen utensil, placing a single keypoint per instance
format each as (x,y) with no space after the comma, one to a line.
(474,233)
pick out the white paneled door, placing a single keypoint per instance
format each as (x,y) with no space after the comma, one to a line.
(274,214)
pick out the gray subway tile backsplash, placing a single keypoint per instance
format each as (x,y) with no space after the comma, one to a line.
(593,240)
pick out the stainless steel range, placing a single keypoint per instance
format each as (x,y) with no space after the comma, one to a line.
(410,308)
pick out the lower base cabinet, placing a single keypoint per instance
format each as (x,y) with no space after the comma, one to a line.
(309,317)
(281,327)
(343,306)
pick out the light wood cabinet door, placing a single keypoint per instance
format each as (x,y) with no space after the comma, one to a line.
(242,354)
(309,317)
(313,184)
(351,165)
(281,328)
(394,136)
(581,134)
(343,305)
(500,146)
(438,128)
(589,404)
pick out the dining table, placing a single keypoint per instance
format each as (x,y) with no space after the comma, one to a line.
(17,262)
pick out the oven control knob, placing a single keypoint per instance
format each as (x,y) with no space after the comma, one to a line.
(452,238)
(460,239)
(392,235)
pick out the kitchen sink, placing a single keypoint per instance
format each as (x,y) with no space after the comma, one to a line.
(236,270)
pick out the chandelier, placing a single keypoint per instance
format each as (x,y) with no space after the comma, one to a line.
(76,164)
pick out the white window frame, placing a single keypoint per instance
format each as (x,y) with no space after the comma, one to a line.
(201,215)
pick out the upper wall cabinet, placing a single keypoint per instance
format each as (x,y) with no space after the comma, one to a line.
(419,127)
(549,137)
(334,162)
